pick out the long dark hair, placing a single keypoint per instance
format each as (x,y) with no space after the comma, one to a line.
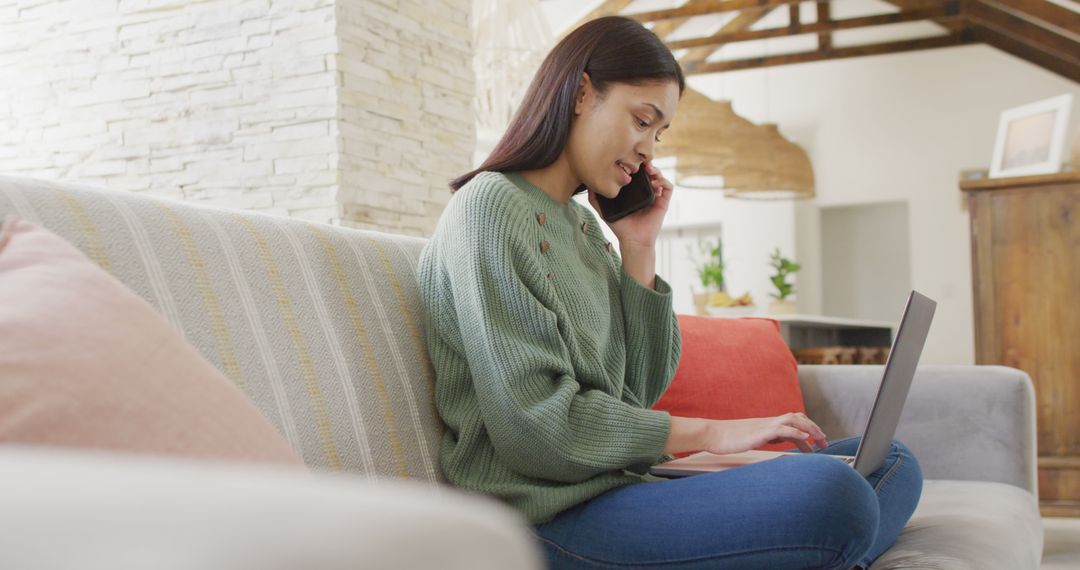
(612,49)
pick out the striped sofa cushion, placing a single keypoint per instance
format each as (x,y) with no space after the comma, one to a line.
(319,325)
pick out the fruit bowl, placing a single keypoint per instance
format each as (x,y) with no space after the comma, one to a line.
(720,304)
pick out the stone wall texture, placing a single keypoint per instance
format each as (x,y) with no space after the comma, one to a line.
(353,112)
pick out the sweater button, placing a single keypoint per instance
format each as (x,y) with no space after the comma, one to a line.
(608,246)
(585,227)
(549,276)
(541,217)
(545,246)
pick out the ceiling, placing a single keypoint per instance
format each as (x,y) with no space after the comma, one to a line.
(711,36)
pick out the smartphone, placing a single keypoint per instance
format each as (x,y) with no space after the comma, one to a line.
(634,196)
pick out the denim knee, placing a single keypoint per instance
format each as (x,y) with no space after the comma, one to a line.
(910,464)
(847,506)
(903,448)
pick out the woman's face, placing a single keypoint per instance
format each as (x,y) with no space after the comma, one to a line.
(620,130)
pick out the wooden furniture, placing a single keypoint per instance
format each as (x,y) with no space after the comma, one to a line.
(810,331)
(817,339)
(1025,254)
(842,355)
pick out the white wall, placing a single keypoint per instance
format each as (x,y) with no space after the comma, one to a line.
(866,271)
(893,128)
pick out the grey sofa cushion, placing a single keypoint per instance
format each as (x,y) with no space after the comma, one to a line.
(968,423)
(969,525)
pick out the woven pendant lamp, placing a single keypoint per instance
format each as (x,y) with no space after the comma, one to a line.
(770,167)
(702,143)
(510,40)
(719,150)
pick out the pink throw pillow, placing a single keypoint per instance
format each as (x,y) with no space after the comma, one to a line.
(86,362)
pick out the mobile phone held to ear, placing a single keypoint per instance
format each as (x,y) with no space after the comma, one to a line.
(634,196)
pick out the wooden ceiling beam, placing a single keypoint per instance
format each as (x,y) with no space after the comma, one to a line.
(1009,44)
(1037,31)
(1038,37)
(707,7)
(664,28)
(950,24)
(743,21)
(952,39)
(947,11)
(824,15)
(1045,13)
(667,27)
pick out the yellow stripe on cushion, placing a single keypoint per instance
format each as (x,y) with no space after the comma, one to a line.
(288,313)
(369,354)
(418,340)
(94,246)
(213,308)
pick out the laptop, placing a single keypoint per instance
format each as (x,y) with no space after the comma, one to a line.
(880,426)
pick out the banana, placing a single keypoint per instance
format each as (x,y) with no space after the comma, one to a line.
(721,299)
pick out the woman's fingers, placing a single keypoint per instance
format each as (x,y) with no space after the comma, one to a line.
(801,421)
(665,188)
(792,433)
(661,185)
(806,425)
(788,434)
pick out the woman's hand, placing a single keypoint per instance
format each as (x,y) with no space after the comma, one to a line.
(642,227)
(734,436)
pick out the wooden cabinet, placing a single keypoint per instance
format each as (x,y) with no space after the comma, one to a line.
(1025,251)
(808,331)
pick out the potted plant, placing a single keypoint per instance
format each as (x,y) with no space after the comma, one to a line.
(783,268)
(713,298)
(710,272)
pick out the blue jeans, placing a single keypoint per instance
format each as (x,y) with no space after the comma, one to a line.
(798,511)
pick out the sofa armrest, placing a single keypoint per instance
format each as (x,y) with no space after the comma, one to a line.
(96,510)
(972,423)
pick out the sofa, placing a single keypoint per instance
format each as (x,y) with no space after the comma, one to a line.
(321,327)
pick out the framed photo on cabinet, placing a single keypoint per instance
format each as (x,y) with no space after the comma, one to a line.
(1031,138)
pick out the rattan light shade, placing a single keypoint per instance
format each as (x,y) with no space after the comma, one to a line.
(717,149)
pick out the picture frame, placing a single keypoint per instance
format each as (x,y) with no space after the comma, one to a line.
(1031,138)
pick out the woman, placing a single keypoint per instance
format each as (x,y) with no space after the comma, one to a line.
(549,349)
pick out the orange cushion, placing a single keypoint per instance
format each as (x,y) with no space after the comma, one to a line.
(732,369)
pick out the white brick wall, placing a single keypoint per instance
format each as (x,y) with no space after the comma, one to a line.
(342,111)
(405,108)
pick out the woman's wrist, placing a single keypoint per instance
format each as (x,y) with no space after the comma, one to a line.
(639,262)
(687,434)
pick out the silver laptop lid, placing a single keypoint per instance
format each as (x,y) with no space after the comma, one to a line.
(895,383)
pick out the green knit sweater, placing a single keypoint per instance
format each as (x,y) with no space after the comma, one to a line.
(547,354)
